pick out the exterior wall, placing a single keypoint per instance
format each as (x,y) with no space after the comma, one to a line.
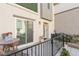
(68,21)
(8,21)
(65,6)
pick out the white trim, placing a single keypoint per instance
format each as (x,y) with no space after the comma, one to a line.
(26,45)
(17,16)
(23,19)
(22,8)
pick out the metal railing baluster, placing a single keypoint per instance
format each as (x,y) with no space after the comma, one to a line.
(38,51)
(41,48)
(21,53)
(31,51)
(35,51)
(27,53)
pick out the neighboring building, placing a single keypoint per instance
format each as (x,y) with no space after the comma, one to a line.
(67,18)
(27,21)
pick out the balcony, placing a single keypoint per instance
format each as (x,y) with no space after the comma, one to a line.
(49,47)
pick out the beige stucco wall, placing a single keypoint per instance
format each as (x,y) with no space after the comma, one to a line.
(68,22)
(8,21)
(64,6)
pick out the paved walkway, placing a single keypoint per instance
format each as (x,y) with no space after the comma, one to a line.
(73,51)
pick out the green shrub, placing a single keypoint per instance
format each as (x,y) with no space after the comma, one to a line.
(64,52)
(67,38)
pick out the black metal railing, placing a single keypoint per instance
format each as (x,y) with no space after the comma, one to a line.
(47,48)
(58,42)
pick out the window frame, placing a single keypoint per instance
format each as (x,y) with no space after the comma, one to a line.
(23,19)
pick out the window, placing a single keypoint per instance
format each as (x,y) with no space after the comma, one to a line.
(46,11)
(31,6)
(24,31)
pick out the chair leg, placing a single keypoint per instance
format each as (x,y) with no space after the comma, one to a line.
(4,48)
(2,52)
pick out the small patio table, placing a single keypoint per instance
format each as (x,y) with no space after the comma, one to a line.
(8,44)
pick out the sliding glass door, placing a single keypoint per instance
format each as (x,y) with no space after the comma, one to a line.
(24,29)
(29,31)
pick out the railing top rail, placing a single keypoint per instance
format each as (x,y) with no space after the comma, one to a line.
(27,47)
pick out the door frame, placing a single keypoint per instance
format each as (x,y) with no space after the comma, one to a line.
(46,33)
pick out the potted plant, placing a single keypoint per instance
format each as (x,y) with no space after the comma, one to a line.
(64,52)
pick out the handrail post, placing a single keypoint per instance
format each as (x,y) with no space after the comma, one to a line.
(52,44)
(63,39)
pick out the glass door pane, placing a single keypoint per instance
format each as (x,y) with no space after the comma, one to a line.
(24,29)
(21,31)
(45,30)
(29,31)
